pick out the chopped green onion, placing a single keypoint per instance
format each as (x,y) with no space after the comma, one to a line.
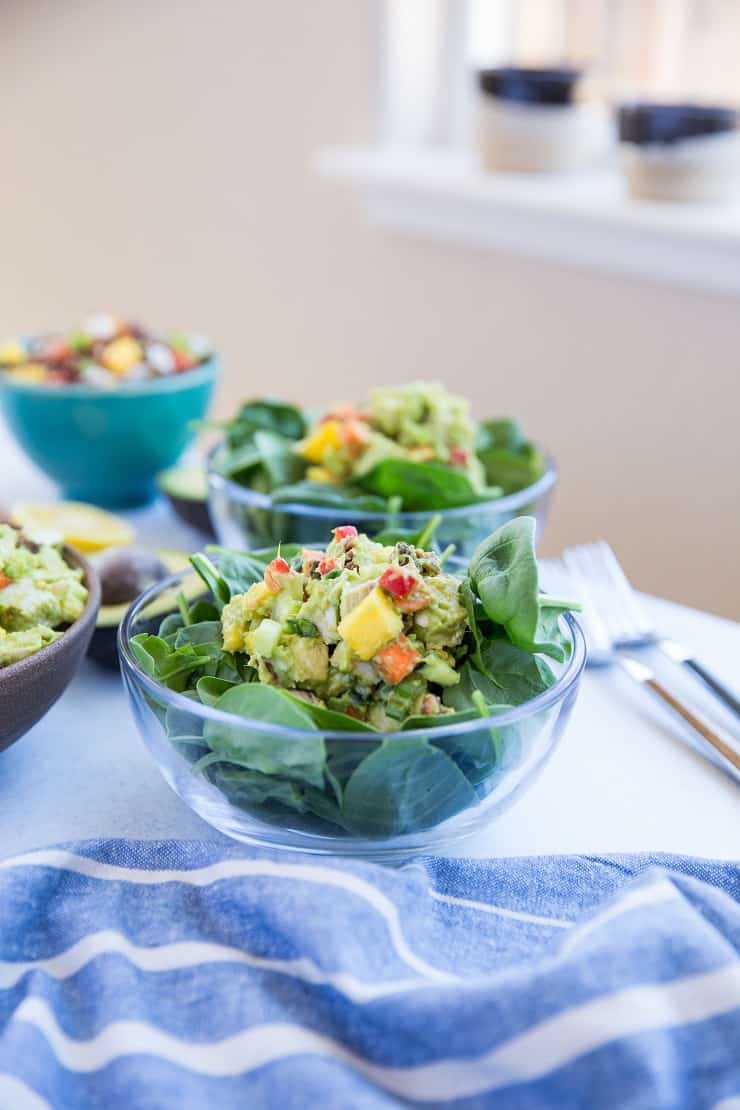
(401,697)
(302,627)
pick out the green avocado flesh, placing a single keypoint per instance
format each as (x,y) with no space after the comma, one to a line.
(184,482)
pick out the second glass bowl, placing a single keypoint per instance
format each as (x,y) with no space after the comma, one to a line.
(246,519)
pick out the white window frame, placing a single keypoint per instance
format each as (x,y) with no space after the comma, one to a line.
(421,176)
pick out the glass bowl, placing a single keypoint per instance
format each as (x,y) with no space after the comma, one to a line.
(423,791)
(246,519)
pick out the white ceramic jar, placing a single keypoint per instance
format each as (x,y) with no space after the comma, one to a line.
(680,152)
(530,121)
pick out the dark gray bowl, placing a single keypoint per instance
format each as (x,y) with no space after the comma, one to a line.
(29,689)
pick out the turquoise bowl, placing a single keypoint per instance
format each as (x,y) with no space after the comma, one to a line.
(105,446)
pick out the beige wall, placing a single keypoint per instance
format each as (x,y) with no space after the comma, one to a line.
(155,162)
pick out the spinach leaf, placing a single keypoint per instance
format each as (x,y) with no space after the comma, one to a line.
(203,611)
(271,415)
(249,789)
(278,460)
(210,689)
(170,666)
(503,433)
(503,573)
(330,719)
(269,753)
(512,470)
(213,579)
(344,499)
(402,787)
(205,632)
(422,486)
(171,625)
(509,459)
(238,463)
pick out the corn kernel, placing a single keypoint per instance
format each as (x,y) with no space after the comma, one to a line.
(31,372)
(120,355)
(12,354)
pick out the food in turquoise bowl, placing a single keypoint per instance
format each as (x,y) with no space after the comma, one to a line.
(406,451)
(367,697)
(102,409)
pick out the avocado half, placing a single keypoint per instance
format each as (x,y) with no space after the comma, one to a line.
(186,489)
(103,643)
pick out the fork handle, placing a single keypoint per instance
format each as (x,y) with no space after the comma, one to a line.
(697,723)
(715,685)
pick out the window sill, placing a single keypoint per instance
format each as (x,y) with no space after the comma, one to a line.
(586,220)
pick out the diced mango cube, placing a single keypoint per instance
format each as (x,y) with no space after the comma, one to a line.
(371,624)
(319,474)
(123,353)
(257,594)
(316,445)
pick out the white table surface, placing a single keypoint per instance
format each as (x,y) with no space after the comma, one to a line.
(625,777)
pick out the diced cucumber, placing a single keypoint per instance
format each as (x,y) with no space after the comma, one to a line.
(265,637)
(285,607)
(437,670)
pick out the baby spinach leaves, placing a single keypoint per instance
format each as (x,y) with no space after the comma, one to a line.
(425,486)
(509,460)
(259,452)
(282,757)
(503,573)
(404,786)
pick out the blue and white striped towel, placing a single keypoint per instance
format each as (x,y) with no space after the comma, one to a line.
(196,976)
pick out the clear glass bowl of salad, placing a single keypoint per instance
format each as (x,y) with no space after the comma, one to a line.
(412,450)
(361,698)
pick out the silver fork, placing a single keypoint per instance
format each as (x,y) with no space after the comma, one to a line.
(612,619)
(627,624)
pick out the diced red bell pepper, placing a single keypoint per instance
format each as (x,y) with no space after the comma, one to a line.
(275,572)
(353,434)
(4,581)
(183,361)
(397,660)
(345,532)
(459,456)
(56,350)
(327,565)
(397,582)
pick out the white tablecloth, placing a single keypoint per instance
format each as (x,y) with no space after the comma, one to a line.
(625,777)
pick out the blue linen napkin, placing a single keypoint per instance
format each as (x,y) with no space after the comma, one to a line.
(194,975)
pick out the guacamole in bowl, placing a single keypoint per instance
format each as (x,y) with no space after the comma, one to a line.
(408,450)
(40,595)
(362,696)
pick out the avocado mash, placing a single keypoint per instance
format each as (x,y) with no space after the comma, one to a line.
(39,595)
(420,422)
(369,630)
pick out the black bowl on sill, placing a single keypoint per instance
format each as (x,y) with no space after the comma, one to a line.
(529,85)
(642,123)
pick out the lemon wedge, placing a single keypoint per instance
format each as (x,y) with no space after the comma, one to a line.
(74,522)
